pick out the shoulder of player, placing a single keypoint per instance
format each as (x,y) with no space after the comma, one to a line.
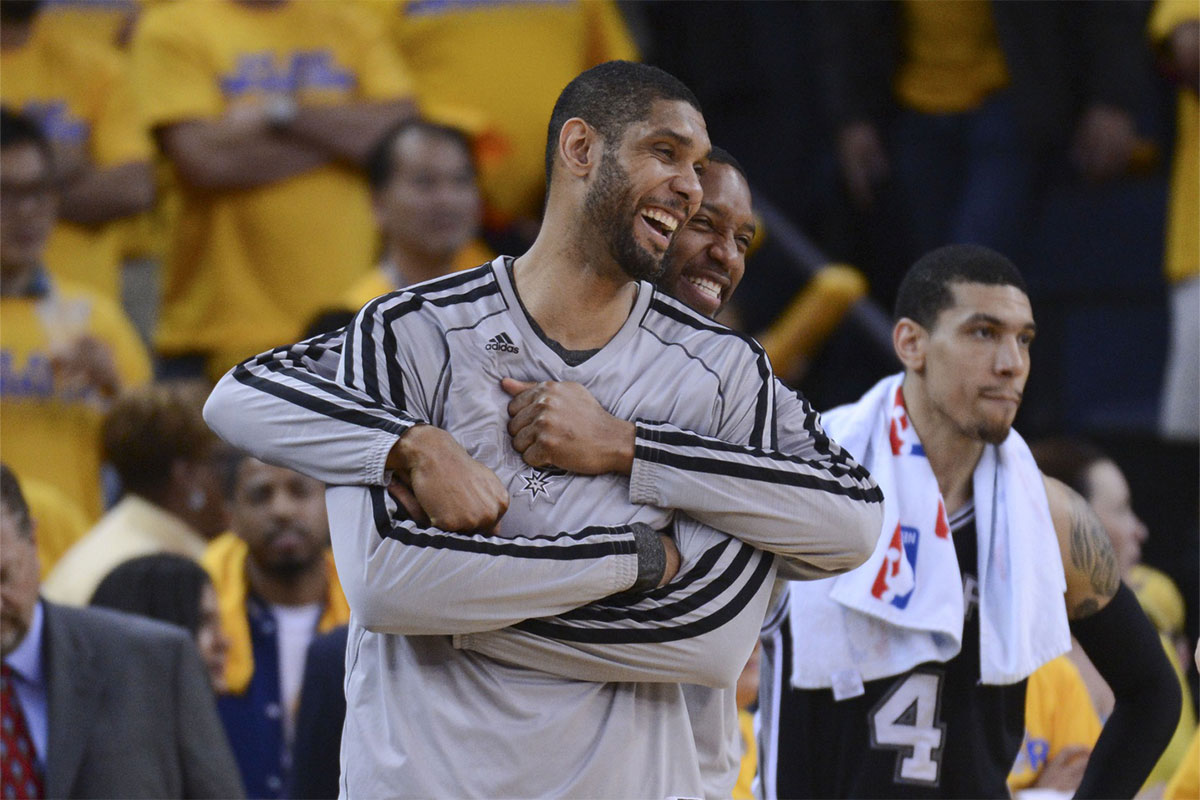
(447,301)
(1088,558)
(674,322)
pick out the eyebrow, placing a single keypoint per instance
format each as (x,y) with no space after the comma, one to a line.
(671,134)
(980,316)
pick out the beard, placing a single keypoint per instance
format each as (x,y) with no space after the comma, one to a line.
(993,432)
(605,203)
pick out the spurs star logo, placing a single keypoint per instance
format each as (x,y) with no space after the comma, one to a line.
(540,482)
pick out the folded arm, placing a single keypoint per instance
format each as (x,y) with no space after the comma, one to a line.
(700,628)
(806,500)
(404,578)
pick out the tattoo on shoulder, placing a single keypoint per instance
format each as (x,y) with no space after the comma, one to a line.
(1092,555)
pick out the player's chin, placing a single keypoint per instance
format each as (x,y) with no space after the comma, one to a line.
(993,431)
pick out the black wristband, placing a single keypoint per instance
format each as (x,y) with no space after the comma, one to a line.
(652,558)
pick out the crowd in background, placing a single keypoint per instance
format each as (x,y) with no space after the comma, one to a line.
(187,183)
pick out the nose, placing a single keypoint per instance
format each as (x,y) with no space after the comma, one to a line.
(281,506)
(686,184)
(723,250)
(1010,358)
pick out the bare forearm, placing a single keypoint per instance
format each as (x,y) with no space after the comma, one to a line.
(348,131)
(100,195)
(229,154)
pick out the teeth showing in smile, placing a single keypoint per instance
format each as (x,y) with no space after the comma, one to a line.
(664,219)
(710,288)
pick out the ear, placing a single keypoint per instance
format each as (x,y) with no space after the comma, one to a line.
(579,146)
(909,340)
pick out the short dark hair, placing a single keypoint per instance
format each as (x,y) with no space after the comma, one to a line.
(13,499)
(163,586)
(609,97)
(381,161)
(147,430)
(925,291)
(720,155)
(18,128)
(1068,459)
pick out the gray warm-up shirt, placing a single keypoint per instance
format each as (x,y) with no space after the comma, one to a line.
(503,665)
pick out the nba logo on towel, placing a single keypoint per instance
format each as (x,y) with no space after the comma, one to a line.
(897,575)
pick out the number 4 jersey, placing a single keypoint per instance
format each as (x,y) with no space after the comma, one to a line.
(934,731)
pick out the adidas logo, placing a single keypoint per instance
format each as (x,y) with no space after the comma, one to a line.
(501,341)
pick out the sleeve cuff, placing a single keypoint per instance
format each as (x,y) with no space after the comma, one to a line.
(643,476)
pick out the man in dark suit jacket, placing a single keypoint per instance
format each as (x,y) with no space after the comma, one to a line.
(104,704)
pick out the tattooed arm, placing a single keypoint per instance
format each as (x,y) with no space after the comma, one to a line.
(1110,626)
(1087,552)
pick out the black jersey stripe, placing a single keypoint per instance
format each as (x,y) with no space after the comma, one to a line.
(821,439)
(564,546)
(395,306)
(700,569)
(732,469)
(763,404)
(551,630)
(362,327)
(336,390)
(598,612)
(678,438)
(453,280)
(320,406)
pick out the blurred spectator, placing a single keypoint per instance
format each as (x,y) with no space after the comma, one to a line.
(1175,29)
(98,704)
(163,453)
(427,206)
(65,351)
(266,110)
(81,96)
(1061,728)
(1100,481)
(959,103)
(172,589)
(503,65)
(276,587)
(60,521)
(317,750)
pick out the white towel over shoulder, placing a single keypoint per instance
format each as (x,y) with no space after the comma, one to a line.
(904,606)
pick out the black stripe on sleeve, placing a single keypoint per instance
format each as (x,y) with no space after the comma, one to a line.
(598,612)
(838,466)
(551,630)
(714,466)
(319,405)
(556,547)
(763,404)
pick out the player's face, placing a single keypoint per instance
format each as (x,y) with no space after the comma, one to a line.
(431,205)
(281,516)
(1110,498)
(977,359)
(707,257)
(648,185)
(27,206)
(18,581)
